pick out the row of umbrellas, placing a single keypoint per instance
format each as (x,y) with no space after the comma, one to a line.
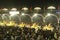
(26,18)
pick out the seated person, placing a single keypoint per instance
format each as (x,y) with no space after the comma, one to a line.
(21,25)
(48,27)
(47,31)
(36,27)
(11,23)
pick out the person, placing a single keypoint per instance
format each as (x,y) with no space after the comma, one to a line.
(36,27)
(34,30)
(2,24)
(21,25)
(48,31)
(27,25)
(11,23)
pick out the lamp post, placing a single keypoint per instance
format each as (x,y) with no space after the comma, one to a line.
(51,9)
(14,15)
(5,11)
(25,10)
(5,16)
(37,10)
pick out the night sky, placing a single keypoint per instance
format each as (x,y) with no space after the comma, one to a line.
(27,3)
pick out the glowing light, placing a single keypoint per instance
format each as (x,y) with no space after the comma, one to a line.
(35,14)
(48,14)
(37,8)
(22,14)
(13,13)
(14,9)
(5,9)
(51,7)
(25,8)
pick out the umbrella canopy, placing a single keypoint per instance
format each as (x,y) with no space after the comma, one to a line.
(37,18)
(25,18)
(51,19)
(15,18)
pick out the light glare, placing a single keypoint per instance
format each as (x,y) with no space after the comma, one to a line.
(13,13)
(35,14)
(48,14)
(23,14)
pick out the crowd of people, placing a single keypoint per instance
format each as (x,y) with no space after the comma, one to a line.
(27,32)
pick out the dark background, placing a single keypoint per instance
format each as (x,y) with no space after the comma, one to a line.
(28,3)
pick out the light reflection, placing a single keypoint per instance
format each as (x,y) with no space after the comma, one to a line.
(12,13)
